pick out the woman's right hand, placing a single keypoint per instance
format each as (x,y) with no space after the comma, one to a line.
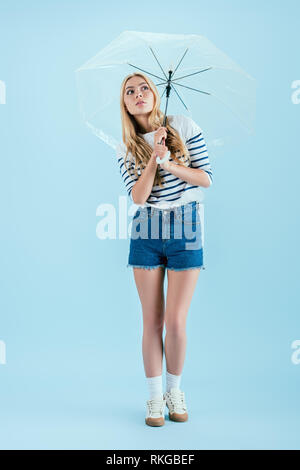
(160,150)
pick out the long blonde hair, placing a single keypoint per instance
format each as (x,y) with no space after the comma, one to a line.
(137,146)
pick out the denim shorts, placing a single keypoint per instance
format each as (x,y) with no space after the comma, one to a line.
(171,238)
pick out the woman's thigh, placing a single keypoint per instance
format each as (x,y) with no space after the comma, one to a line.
(150,287)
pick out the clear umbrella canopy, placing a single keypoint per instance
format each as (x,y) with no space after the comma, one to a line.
(205,84)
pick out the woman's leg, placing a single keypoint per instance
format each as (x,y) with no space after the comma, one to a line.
(181,286)
(150,286)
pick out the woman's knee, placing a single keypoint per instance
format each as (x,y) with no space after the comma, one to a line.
(175,324)
(153,324)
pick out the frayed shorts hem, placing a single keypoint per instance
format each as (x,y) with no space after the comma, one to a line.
(185,269)
(144,267)
(164,266)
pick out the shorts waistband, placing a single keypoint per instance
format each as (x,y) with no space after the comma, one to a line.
(185,208)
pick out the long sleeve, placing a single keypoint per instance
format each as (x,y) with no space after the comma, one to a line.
(196,146)
(129,179)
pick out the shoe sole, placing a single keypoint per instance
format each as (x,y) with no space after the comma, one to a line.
(155,421)
(178,417)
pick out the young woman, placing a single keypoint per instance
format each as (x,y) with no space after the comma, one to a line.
(167,231)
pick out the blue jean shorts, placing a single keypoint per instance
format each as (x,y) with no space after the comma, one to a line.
(171,238)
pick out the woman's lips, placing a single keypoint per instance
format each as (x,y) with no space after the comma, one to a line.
(140,104)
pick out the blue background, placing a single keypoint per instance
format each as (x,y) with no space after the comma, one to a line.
(71,317)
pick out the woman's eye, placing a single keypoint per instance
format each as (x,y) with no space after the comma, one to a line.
(145,86)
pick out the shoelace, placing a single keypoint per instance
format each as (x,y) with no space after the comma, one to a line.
(155,406)
(177,400)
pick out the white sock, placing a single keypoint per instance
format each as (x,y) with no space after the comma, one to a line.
(155,386)
(173,381)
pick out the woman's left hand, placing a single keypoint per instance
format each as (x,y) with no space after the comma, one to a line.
(166,164)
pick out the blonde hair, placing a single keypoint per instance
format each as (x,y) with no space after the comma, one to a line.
(137,146)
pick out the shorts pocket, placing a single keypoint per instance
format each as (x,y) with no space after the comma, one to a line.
(140,214)
(192,217)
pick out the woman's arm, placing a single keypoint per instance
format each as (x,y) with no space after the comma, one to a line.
(143,187)
(193,176)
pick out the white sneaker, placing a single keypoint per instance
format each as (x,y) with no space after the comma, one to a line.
(155,415)
(175,401)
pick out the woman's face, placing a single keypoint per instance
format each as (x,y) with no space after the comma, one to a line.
(136,89)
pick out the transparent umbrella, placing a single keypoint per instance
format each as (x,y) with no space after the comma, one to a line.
(203,82)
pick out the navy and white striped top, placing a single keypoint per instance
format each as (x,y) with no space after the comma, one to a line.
(175,191)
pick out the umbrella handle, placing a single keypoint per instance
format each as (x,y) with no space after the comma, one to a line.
(166,157)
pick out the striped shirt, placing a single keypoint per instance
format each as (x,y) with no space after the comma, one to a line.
(175,191)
